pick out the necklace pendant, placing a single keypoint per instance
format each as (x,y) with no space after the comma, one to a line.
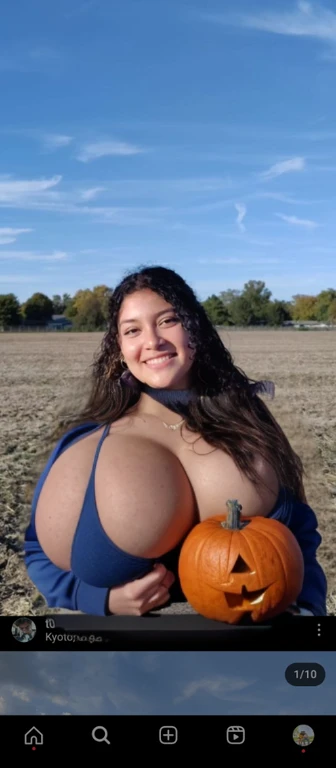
(173,426)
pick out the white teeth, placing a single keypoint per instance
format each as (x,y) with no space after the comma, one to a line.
(158,360)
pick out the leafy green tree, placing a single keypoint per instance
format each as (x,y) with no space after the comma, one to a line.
(58,304)
(38,309)
(257,298)
(241,312)
(10,313)
(74,306)
(89,315)
(70,310)
(249,306)
(228,297)
(81,302)
(278,312)
(304,307)
(103,293)
(332,312)
(217,313)
(66,300)
(323,302)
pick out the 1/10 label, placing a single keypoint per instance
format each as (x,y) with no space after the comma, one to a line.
(305,674)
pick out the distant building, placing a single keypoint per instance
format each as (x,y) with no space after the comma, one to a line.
(58,322)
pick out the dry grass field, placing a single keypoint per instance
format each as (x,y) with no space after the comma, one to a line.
(38,371)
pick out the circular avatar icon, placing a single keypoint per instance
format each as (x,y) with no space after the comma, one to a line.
(23,630)
(303,735)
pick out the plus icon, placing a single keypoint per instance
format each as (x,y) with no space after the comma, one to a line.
(168,734)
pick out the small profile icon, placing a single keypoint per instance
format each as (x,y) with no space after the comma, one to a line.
(23,630)
(303,735)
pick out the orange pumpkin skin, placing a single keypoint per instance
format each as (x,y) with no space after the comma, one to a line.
(226,573)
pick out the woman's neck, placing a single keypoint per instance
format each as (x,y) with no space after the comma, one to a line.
(160,401)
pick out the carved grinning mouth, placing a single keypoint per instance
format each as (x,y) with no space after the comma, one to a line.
(246,599)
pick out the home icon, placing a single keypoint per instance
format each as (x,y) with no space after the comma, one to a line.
(33,737)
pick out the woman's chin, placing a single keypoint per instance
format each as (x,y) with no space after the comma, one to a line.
(166,376)
(167,382)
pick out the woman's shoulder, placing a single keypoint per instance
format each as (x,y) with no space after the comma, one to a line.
(78,430)
(69,437)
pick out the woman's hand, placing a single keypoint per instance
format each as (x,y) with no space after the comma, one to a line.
(142,595)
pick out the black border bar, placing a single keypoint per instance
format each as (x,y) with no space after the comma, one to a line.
(143,735)
(183,632)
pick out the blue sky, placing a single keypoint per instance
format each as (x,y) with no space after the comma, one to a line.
(199,136)
(161,683)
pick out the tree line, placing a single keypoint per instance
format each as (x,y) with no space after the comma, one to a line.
(253,305)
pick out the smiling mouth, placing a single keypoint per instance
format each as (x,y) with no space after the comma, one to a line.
(153,361)
(245,599)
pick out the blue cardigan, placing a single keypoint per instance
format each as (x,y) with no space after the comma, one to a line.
(63,589)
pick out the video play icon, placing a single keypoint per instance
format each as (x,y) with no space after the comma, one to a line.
(235,734)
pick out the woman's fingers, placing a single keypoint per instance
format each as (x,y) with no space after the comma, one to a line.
(159,597)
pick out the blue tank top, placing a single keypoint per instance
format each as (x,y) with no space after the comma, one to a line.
(98,563)
(95,559)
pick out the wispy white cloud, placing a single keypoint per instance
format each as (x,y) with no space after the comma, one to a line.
(12,190)
(304,20)
(241,209)
(163,187)
(275,196)
(288,198)
(12,231)
(48,194)
(307,223)
(285,166)
(219,686)
(70,199)
(90,194)
(22,694)
(9,234)
(117,215)
(99,149)
(127,216)
(33,256)
(53,141)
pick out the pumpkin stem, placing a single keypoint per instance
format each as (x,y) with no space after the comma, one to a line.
(233,518)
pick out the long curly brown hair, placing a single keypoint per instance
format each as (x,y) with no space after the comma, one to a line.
(226,412)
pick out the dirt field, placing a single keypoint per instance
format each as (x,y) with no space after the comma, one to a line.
(38,371)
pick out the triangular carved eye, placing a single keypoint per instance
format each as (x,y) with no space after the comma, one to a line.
(240,566)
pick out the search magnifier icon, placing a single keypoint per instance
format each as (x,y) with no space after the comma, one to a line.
(103,737)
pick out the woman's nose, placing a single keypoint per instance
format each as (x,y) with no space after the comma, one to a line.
(152,338)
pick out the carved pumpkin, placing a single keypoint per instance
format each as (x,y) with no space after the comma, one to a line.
(229,568)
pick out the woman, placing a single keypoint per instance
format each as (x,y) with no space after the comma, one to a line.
(171,430)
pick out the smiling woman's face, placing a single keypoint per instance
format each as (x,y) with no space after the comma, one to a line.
(153,342)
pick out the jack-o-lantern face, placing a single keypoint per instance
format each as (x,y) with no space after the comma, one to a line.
(242,592)
(255,568)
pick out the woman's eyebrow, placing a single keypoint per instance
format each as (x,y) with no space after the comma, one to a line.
(136,319)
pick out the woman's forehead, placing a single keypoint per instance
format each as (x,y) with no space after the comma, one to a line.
(142,302)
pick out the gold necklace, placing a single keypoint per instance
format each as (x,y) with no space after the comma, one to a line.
(173,426)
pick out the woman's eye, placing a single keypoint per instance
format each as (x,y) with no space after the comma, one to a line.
(166,320)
